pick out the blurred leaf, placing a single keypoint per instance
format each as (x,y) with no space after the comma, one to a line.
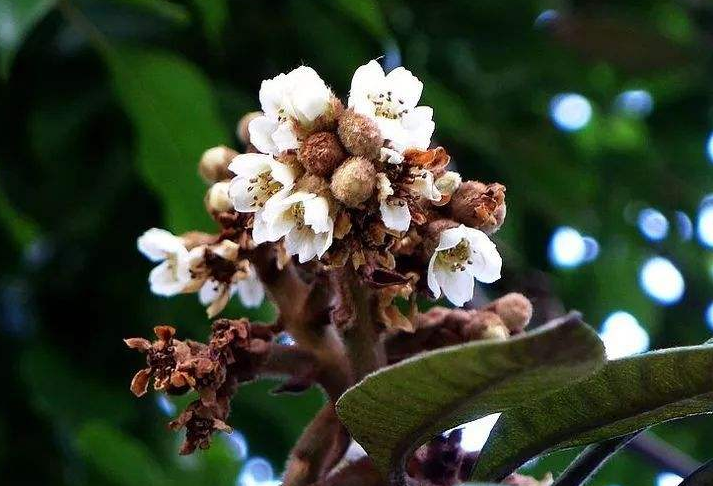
(366,13)
(122,460)
(703,476)
(17,18)
(175,117)
(162,8)
(214,15)
(625,396)
(22,229)
(65,394)
(395,410)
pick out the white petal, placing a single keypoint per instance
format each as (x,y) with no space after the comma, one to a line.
(451,237)
(367,79)
(240,196)
(247,166)
(272,94)
(317,214)
(301,242)
(261,230)
(308,94)
(284,137)
(168,280)
(383,186)
(157,244)
(250,290)
(394,131)
(432,281)
(282,173)
(425,185)
(210,291)
(394,216)
(457,286)
(391,156)
(487,262)
(404,86)
(261,130)
(419,125)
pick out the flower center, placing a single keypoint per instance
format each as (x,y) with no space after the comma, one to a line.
(455,258)
(264,187)
(387,106)
(298,212)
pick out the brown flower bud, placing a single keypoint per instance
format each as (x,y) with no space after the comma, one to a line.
(514,309)
(480,206)
(242,129)
(217,199)
(213,166)
(327,121)
(321,153)
(360,135)
(314,184)
(354,181)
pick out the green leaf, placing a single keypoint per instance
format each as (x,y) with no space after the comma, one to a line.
(122,460)
(175,117)
(703,476)
(163,8)
(395,410)
(214,14)
(18,17)
(367,14)
(625,396)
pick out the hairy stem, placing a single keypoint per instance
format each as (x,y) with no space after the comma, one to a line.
(356,301)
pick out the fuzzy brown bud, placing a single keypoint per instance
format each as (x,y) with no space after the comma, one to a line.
(242,130)
(217,199)
(321,153)
(354,181)
(514,309)
(314,184)
(480,206)
(213,166)
(360,135)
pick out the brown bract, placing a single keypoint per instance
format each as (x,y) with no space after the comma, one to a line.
(480,206)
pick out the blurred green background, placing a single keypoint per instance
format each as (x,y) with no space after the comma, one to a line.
(596,115)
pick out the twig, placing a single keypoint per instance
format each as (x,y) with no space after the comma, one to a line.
(590,460)
(663,455)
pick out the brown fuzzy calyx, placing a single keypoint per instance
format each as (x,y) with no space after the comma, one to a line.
(321,153)
(354,181)
(514,309)
(478,205)
(213,166)
(217,199)
(360,135)
(314,184)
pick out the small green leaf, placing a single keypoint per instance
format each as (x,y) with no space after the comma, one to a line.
(17,18)
(175,118)
(703,476)
(395,410)
(625,396)
(122,460)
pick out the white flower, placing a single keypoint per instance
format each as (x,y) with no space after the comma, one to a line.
(423,184)
(173,274)
(394,211)
(258,177)
(462,254)
(303,219)
(215,295)
(391,101)
(298,96)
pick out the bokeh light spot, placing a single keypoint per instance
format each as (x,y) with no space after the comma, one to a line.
(475,433)
(623,335)
(636,103)
(662,281)
(570,111)
(668,479)
(652,224)
(567,247)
